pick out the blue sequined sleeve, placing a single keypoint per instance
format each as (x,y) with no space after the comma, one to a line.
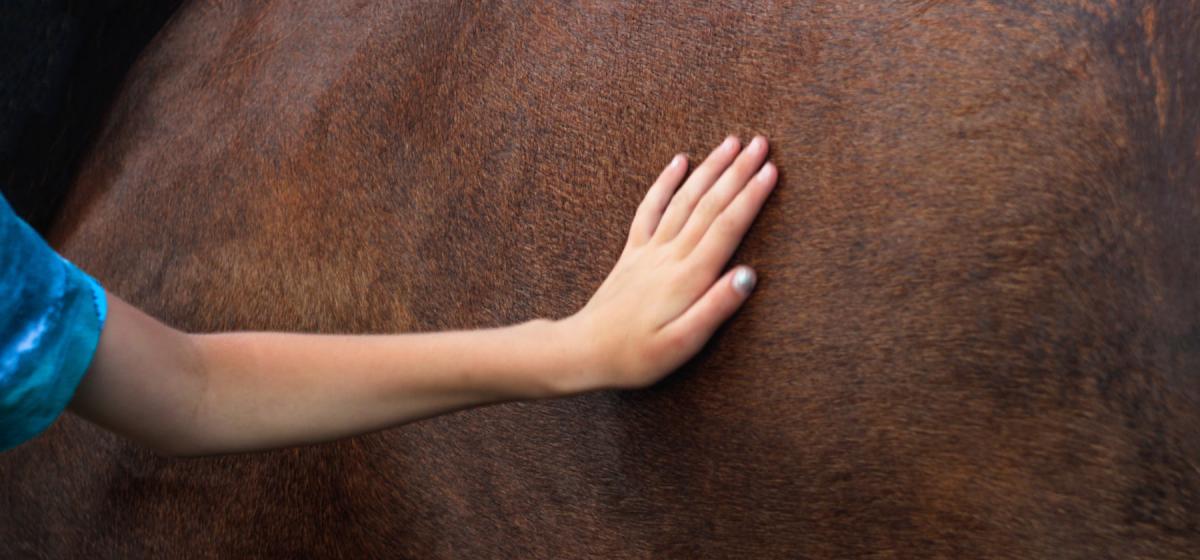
(51,314)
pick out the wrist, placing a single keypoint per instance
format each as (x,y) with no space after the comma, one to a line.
(574,366)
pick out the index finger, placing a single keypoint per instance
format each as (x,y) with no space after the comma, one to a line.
(727,231)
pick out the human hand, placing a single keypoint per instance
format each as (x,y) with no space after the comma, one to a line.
(663,300)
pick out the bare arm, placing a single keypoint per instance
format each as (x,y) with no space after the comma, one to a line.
(186,394)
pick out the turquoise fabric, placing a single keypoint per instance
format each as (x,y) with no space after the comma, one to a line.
(51,314)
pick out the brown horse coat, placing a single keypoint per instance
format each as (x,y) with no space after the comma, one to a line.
(977,332)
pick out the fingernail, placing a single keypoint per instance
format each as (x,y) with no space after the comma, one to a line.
(756,144)
(743,280)
(765,172)
(675,161)
(729,143)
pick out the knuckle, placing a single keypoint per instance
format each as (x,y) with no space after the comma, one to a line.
(707,207)
(685,198)
(682,341)
(670,344)
(672,206)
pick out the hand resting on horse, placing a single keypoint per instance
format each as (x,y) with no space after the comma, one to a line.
(199,394)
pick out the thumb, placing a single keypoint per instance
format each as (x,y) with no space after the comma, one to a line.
(698,323)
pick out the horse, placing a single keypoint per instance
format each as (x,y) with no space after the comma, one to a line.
(976,332)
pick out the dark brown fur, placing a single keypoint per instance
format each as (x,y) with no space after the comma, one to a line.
(60,64)
(977,332)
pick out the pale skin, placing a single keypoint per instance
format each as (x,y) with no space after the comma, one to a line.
(186,394)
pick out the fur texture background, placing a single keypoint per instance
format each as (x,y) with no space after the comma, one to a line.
(60,63)
(977,332)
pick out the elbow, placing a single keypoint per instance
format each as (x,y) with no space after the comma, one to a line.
(186,438)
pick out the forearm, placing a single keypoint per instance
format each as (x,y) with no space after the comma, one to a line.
(274,389)
(218,393)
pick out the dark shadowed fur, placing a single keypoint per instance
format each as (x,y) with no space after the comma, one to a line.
(977,333)
(60,64)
